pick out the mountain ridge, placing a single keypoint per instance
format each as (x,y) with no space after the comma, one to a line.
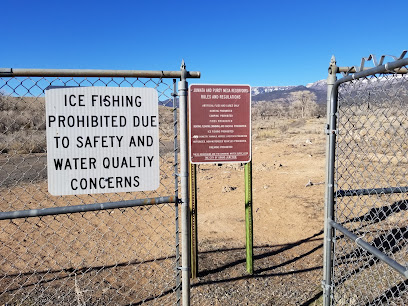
(279,93)
(282,93)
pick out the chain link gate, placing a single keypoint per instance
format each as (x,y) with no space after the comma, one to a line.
(366,229)
(118,248)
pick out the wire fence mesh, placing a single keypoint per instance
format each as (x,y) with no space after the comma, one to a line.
(117,256)
(371,155)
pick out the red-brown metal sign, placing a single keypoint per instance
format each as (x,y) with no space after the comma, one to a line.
(220,123)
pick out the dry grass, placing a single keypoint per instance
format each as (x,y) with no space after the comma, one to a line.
(22,125)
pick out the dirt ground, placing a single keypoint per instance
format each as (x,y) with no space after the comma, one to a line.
(288,201)
(288,190)
(288,208)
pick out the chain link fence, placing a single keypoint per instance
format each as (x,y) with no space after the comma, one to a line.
(370,243)
(126,255)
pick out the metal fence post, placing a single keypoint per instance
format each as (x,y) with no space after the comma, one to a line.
(176,193)
(327,260)
(185,209)
(331,79)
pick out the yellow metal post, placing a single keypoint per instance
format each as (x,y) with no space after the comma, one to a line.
(193,215)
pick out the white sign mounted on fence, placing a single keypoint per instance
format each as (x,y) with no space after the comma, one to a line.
(102,140)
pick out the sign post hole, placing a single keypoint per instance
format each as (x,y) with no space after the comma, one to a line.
(220,132)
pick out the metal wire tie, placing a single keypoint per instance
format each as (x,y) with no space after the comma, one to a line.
(183,268)
(359,238)
(326,287)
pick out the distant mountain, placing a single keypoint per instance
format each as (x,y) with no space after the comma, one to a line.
(279,93)
(381,86)
(319,85)
(282,93)
(268,89)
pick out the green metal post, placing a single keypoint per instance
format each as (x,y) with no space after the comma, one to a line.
(248,218)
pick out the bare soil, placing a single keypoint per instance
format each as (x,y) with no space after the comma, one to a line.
(288,205)
(288,202)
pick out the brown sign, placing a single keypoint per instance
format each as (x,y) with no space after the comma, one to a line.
(220,123)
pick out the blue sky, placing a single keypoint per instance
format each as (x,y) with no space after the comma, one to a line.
(259,43)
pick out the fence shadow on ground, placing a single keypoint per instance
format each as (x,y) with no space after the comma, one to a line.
(296,264)
(392,292)
(227,271)
(377,214)
(222,266)
(356,260)
(282,273)
(390,243)
(277,249)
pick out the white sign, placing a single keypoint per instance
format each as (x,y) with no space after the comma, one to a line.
(102,140)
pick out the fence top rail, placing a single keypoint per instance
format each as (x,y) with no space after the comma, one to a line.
(391,67)
(377,62)
(353,69)
(14,72)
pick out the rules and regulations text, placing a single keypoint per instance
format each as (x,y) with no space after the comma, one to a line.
(220,123)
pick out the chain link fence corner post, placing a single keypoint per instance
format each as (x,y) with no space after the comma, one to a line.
(176,193)
(331,79)
(185,209)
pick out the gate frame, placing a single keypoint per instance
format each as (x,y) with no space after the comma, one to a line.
(183,74)
(350,73)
